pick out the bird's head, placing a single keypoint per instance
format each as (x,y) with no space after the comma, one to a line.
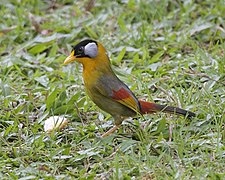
(87,52)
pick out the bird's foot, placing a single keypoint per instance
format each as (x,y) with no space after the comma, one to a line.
(112,130)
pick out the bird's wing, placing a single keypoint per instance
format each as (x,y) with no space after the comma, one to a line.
(116,90)
(125,97)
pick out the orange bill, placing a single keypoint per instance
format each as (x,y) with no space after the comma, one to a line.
(70,58)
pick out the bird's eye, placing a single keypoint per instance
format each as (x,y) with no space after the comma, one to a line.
(80,50)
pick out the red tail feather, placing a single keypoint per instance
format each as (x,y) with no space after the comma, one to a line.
(148,108)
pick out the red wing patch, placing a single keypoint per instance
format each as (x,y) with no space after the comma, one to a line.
(124,97)
(121,94)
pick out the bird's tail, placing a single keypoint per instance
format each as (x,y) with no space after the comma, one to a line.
(148,108)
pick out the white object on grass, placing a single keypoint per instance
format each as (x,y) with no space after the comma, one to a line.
(55,123)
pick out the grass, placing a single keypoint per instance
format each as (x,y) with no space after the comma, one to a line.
(170,52)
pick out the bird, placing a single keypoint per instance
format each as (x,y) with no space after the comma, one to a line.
(107,91)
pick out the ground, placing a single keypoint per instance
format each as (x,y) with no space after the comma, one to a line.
(169,52)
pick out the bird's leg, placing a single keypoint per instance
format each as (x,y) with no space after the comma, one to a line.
(118,121)
(112,130)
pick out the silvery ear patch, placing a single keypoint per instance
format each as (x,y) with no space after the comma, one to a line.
(91,50)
